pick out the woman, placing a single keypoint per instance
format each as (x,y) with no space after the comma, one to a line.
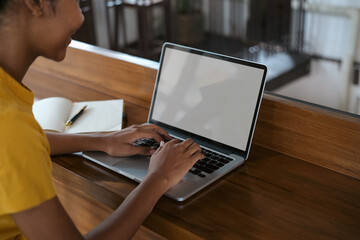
(29,207)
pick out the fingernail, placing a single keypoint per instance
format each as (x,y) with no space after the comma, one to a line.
(162,143)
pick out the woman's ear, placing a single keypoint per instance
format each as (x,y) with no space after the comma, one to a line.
(36,7)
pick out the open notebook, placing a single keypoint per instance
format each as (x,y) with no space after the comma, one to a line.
(100,116)
(211,98)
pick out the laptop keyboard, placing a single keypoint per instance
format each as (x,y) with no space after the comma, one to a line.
(147,142)
(210,163)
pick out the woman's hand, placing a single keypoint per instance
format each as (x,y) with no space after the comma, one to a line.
(173,160)
(122,143)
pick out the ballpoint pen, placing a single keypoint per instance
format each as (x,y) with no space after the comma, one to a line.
(76,116)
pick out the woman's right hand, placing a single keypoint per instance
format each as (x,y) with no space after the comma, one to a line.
(173,160)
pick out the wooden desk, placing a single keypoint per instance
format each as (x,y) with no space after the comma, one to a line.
(301,180)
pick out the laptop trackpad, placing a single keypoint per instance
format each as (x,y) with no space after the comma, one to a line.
(136,166)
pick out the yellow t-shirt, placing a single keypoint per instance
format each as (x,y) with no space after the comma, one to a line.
(25,165)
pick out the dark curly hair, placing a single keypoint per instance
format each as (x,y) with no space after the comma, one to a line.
(3,4)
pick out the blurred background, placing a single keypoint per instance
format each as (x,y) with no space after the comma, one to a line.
(309,46)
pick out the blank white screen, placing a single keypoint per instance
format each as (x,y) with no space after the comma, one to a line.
(210,97)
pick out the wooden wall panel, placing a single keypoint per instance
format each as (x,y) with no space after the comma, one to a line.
(321,136)
(324,137)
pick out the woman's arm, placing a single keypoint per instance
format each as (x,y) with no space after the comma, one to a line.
(49,220)
(116,143)
(167,166)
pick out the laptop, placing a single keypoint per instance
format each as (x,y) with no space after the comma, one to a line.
(213,99)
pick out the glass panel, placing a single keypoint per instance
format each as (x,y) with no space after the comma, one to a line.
(309,46)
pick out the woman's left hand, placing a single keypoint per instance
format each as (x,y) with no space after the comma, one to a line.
(121,143)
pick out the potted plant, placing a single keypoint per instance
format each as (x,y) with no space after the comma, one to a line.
(190,22)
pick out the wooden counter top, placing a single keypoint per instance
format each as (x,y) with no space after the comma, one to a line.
(301,180)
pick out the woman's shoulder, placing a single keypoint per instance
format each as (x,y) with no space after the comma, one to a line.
(21,129)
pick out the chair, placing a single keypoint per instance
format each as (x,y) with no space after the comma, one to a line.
(146,46)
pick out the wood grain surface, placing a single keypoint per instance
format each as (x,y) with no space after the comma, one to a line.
(301,180)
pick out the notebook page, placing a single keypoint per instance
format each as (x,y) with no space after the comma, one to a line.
(99,116)
(52,113)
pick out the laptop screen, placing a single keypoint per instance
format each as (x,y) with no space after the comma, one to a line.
(210,95)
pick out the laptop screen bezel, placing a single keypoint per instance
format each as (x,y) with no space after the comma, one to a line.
(211,142)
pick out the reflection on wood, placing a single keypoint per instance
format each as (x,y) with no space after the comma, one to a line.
(284,191)
(87,212)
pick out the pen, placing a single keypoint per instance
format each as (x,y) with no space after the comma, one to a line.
(76,116)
